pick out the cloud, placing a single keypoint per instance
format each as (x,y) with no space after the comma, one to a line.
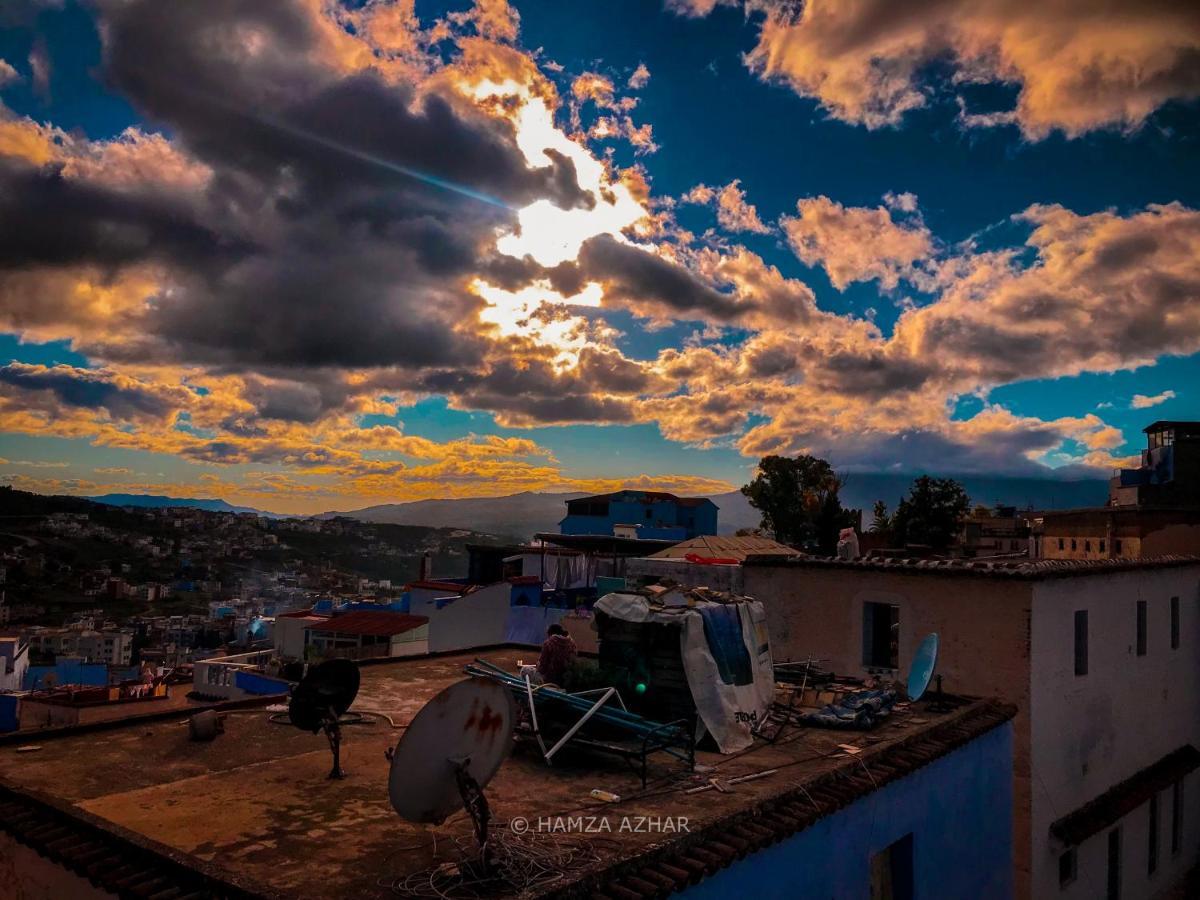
(8,74)
(1141,401)
(1079,65)
(640,78)
(733,212)
(857,243)
(118,395)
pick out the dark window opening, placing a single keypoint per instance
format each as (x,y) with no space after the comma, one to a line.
(881,636)
(1067,868)
(1102,546)
(1114,864)
(1087,546)
(1174,623)
(1152,837)
(892,871)
(1117,545)
(1072,543)
(1141,628)
(1081,642)
(649,513)
(1060,543)
(1176,817)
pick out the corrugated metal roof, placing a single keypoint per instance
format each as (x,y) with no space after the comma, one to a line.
(367,622)
(726,547)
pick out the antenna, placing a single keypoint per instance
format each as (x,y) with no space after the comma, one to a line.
(449,753)
(320,699)
(923,664)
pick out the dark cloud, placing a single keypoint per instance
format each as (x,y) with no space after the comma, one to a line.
(651,284)
(120,396)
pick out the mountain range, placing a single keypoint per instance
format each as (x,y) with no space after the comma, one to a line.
(157,501)
(526,513)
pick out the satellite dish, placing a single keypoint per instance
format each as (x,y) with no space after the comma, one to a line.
(449,753)
(320,698)
(921,671)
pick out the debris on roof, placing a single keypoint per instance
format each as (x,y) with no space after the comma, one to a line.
(734,549)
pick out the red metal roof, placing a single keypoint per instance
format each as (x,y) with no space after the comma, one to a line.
(367,622)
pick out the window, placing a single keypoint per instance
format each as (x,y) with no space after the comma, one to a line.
(1152,837)
(1101,545)
(1141,628)
(1072,543)
(1114,864)
(1067,868)
(1087,546)
(1060,543)
(1081,642)
(881,635)
(1116,545)
(649,513)
(1174,623)
(892,871)
(1176,817)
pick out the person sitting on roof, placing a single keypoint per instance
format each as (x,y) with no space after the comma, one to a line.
(558,652)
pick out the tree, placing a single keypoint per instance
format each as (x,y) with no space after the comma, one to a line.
(881,522)
(931,513)
(798,499)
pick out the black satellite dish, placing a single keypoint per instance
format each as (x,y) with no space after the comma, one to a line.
(321,698)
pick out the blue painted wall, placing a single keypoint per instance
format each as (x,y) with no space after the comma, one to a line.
(10,712)
(958,810)
(660,519)
(66,672)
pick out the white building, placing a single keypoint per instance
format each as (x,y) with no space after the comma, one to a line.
(14,662)
(1101,658)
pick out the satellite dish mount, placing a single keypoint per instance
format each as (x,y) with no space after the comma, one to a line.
(319,701)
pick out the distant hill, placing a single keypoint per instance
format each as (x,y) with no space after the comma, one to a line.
(521,515)
(154,501)
(527,513)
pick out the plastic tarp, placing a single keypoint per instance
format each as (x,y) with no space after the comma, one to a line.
(726,660)
(860,711)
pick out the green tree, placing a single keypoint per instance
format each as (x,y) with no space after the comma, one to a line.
(881,521)
(798,500)
(931,513)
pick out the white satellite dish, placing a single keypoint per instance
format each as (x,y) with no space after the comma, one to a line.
(921,671)
(450,752)
(468,725)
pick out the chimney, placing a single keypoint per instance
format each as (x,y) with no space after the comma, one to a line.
(426,566)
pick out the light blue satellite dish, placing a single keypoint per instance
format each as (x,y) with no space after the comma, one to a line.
(921,671)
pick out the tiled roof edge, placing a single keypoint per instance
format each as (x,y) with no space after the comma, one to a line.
(110,857)
(1030,570)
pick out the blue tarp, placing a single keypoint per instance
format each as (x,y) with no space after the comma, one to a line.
(861,710)
(723,630)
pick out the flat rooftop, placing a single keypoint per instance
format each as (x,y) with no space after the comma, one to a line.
(254,812)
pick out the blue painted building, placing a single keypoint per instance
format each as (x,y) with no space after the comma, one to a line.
(944,830)
(649,515)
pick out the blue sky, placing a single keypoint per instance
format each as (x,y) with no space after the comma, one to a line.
(901,322)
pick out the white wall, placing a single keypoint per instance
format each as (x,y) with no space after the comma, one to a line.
(288,636)
(476,619)
(1092,731)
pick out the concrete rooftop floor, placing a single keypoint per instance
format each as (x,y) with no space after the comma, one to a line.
(255,802)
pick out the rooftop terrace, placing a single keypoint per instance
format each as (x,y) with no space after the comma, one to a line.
(252,813)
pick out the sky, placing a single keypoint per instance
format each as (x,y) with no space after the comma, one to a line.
(307,255)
